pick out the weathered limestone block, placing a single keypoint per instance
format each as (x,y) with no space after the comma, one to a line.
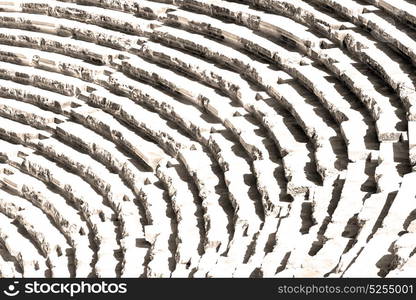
(408,270)
(36,192)
(349,9)
(192,90)
(294,164)
(117,195)
(96,146)
(341,226)
(228,82)
(105,152)
(145,9)
(158,265)
(264,171)
(244,39)
(403,248)
(330,98)
(245,129)
(393,223)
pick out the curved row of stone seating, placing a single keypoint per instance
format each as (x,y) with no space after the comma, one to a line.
(388,65)
(375,180)
(166,9)
(29,114)
(385,170)
(100,230)
(176,111)
(292,163)
(162,104)
(107,153)
(47,238)
(64,215)
(42,98)
(161,131)
(142,182)
(313,78)
(179,111)
(134,85)
(284,243)
(339,226)
(243,127)
(293,156)
(242,14)
(32,263)
(98,55)
(60,64)
(302,12)
(127,227)
(119,197)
